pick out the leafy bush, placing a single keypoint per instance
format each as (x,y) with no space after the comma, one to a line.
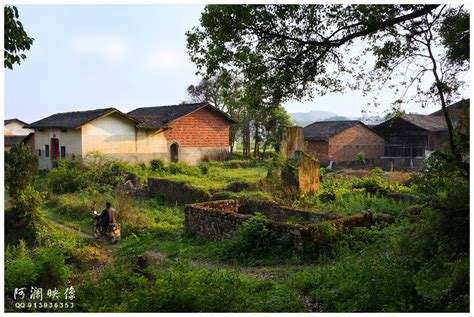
(204,169)
(105,171)
(183,168)
(51,267)
(27,204)
(21,166)
(157,165)
(67,177)
(20,270)
(45,268)
(255,243)
(360,157)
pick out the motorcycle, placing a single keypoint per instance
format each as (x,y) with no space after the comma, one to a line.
(113,231)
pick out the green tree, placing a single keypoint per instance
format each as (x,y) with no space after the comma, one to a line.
(413,52)
(287,49)
(297,51)
(21,167)
(15,38)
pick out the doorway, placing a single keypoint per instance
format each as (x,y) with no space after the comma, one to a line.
(174,153)
(54,149)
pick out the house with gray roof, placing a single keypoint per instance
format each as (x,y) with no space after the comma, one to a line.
(342,141)
(186,133)
(16,133)
(413,135)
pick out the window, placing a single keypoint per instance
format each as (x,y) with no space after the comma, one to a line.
(39,152)
(63,151)
(46,150)
(63,130)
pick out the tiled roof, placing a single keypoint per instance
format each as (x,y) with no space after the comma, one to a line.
(11,140)
(7,121)
(429,123)
(72,119)
(455,106)
(159,117)
(323,130)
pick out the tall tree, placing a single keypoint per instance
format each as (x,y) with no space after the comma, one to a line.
(15,38)
(297,51)
(208,90)
(288,48)
(415,51)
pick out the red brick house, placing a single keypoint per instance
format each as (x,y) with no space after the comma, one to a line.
(341,141)
(192,131)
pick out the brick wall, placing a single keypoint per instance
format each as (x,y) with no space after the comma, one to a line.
(203,128)
(319,149)
(343,147)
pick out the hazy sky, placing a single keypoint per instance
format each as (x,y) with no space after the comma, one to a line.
(124,56)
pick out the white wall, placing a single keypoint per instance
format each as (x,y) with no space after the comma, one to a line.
(70,138)
(16,128)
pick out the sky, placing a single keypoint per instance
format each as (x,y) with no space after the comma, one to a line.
(125,56)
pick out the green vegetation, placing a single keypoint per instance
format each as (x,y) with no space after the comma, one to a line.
(180,287)
(415,259)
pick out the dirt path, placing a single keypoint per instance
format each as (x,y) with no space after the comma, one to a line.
(69,228)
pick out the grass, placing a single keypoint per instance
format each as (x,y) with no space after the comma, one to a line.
(218,178)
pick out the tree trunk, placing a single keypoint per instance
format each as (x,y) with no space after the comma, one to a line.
(439,87)
(257,140)
(246,137)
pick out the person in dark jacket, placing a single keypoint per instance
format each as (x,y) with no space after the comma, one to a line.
(106,217)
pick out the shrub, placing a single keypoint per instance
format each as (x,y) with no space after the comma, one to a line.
(255,243)
(20,270)
(51,267)
(67,177)
(204,169)
(360,157)
(183,168)
(157,165)
(27,204)
(104,171)
(21,166)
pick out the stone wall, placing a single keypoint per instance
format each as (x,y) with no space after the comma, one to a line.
(292,139)
(219,220)
(177,192)
(301,172)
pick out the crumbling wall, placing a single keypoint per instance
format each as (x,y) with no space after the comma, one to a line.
(280,213)
(301,172)
(219,220)
(292,139)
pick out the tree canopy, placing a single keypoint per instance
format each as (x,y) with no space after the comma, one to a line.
(291,51)
(16,40)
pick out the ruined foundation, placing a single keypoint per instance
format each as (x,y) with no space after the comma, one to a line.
(220,219)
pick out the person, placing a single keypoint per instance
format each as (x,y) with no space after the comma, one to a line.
(106,217)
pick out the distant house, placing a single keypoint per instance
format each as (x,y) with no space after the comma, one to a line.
(173,133)
(16,127)
(413,135)
(341,141)
(12,140)
(15,133)
(458,112)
